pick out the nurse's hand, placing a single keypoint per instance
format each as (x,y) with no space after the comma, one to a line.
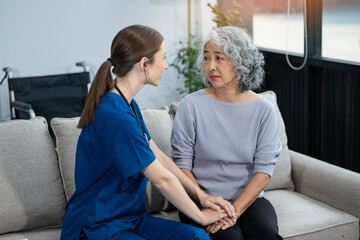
(216,203)
(211,216)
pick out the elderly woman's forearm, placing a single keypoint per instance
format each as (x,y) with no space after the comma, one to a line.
(251,192)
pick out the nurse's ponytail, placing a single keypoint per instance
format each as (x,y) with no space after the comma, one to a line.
(128,47)
(102,83)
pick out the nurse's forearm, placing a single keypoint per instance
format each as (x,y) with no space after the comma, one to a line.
(171,188)
(191,188)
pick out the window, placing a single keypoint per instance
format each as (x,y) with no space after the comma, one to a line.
(271,28)
(341,29)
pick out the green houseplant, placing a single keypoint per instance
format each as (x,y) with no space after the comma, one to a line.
(231,18)
(185,64)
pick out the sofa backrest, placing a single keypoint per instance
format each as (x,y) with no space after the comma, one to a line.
(281,178)
(159,123)
(31,192)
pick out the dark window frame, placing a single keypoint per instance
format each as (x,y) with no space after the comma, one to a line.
(319,103)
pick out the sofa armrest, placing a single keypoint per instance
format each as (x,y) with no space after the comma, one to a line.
(327,183)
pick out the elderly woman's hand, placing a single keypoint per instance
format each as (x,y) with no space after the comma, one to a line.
(221,224)
(216,203)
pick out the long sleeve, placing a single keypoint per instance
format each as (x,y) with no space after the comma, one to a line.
(268,146)
(183,137)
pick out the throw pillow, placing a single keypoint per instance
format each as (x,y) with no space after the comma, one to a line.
(67,135)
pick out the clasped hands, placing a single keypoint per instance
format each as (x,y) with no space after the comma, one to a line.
(223,224)
(217,203)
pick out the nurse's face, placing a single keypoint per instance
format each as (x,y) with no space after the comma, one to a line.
(157,67)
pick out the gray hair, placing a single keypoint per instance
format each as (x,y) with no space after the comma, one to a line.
(248,62)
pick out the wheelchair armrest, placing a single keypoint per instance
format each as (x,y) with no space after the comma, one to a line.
(24,107)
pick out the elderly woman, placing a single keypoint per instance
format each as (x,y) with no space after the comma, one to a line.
(225,137)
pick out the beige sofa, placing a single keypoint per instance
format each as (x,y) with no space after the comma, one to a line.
(313,199)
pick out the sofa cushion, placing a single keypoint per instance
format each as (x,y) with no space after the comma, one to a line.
(325,182)
(301,217)
(281,178)
(169,215)
(37,234)
(159,124)
(31,192)
(66,135)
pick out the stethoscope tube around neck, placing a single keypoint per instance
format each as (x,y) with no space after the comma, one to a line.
(131,106)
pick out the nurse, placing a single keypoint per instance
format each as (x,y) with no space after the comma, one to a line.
(116,155)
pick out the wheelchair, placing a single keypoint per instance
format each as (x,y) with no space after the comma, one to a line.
(61,95)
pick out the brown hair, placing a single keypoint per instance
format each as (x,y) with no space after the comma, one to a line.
(128,47)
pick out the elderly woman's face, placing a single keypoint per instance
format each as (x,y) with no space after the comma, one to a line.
(218,67)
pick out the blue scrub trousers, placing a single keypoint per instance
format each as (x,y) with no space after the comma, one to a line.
(153,228)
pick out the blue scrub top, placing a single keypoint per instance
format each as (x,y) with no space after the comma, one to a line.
(110,188)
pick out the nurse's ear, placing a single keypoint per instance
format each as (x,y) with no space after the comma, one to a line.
(144,63)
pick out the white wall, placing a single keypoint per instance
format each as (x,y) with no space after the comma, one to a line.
(40,37)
